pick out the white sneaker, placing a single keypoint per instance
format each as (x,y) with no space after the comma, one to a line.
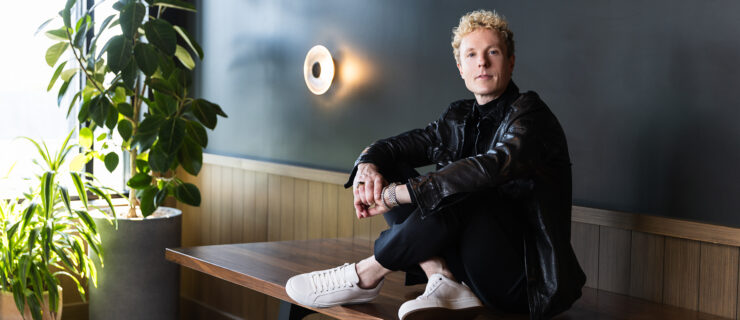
(442,299)
(328,288)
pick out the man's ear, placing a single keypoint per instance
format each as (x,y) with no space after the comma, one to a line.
(460,69)
(512,59)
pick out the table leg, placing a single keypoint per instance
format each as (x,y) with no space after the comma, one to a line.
(289,311)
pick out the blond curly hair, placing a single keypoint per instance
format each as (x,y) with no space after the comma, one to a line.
(482,19)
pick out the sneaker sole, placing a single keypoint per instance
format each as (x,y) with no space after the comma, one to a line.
(293,295)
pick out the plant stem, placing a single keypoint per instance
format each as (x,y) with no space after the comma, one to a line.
(133,153)
(82,65)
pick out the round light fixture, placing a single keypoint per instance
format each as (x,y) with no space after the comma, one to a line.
(318,69)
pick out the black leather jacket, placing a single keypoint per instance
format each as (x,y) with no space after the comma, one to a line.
(526,158)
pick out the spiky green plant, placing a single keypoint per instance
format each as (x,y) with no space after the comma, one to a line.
(44,235)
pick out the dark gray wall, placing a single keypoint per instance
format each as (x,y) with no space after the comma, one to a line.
(646,91)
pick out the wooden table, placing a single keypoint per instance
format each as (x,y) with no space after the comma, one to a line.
(266,266)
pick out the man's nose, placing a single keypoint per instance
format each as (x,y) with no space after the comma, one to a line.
(483,61)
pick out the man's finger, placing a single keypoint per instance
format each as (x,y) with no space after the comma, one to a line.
(358,210)
(369,193)
(378,190)
(379,209)
(361,194)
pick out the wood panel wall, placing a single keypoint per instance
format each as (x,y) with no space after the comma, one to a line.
(251,201)
(685,273)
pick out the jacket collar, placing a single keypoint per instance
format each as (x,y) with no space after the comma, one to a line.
(504,101)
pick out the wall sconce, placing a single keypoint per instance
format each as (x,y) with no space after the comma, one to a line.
(318,69)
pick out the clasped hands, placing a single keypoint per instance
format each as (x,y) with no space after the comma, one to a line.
(368,191)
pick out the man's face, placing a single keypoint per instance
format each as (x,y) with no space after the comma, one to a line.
(485,64)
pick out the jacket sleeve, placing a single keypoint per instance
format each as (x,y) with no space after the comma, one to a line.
(514,156)
(415,148)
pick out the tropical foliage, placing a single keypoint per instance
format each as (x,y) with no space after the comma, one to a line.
(136,85)
(44,236)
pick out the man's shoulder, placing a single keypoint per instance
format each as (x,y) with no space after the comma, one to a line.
(459,109)
(527,102)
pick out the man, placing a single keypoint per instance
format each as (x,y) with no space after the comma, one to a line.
(492,225)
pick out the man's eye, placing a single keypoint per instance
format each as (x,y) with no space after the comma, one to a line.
(470,54)
(493,52)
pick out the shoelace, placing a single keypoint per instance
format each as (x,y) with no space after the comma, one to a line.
(330,279)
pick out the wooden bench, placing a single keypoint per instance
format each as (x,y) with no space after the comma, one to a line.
(266,266)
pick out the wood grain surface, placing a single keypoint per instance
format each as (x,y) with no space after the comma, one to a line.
(266,266)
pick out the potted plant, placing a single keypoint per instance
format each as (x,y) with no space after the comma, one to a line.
(137,86)
(44,237)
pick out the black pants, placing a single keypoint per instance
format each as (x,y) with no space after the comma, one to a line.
(480,239)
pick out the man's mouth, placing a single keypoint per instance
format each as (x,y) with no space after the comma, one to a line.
(484,76)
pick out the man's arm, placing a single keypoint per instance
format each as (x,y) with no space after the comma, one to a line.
(411,147)
(519,154)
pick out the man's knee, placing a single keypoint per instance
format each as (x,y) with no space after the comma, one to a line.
(413,241)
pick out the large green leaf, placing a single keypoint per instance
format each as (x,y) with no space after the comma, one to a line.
(166,64)
(139,181)
(203,111)
(66,13)
(146,134)
(58,34)
(126,109)
(147,201)
(159,159)
(188,193)
(86,138)
(184,57)
(160,33)
(112,118)
(142,165)
(176,4)
(124,129)
(63,91)
(160,85)
(190,40)
(190,156)
(103,25)
(131,17)
(111,161)
(161,195)
(197,132)
(54,52)
(129,73)
(68,74)
(119,53)
(164,104)
(73,102)
(146,58)
(171,134)
(82,28)
(56,76)
(99,108)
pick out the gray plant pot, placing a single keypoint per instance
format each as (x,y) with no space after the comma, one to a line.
(136,281)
